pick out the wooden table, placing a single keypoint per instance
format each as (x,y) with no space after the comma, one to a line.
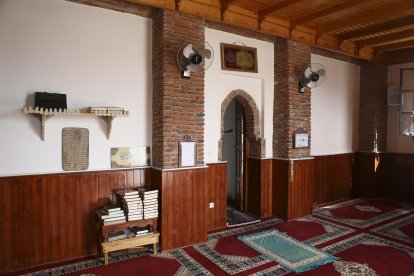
(129,243)
(109,246)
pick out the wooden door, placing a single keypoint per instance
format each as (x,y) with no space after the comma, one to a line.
(239,156)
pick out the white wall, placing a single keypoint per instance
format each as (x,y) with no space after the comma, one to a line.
(220,83)
(335,109)
(97,57)
(396,142)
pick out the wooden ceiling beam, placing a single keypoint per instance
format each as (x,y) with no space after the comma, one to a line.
(373,16)
(386,38)
(282,4)
(325,12)
(396,57)
(261,14)
(385,26)
(395,46)
(224,6)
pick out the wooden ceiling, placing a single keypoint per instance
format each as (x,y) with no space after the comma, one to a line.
(380,30)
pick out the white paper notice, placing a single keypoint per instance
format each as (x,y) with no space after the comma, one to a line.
(187,154)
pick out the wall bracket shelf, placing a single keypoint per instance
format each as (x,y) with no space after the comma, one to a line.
(108,114)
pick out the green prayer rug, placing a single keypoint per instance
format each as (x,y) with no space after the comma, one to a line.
(292,254)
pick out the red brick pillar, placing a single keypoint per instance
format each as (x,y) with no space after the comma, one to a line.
(373,107)
(292,168)
(178,110)
(367,180)
(178,103)
(292,109)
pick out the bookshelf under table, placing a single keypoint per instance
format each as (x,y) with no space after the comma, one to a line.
(109,246)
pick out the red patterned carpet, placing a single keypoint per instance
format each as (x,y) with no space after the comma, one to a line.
(370,237)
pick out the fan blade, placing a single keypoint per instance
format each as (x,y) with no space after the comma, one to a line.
(312,84)
(194,67)
(206,53)
(308,72)
(183,62)
(321,72)
(188,50)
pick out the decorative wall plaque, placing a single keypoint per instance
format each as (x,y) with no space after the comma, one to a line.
(75,148)
(238,58)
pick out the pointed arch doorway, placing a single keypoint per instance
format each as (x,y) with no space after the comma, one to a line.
(240,141)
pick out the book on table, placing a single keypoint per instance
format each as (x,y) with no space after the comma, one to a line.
(110,217)
(111,208)
(126,192)
(147,191)
(113,222)
(139,230)
(118,235)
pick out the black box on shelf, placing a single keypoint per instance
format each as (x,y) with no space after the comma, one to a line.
(50,100)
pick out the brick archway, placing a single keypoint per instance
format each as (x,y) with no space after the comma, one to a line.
(252,121)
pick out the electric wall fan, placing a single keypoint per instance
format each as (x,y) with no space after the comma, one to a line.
(313,77)
(192,59)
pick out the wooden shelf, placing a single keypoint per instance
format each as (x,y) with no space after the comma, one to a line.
(109,246)
(106,114)
(129,243)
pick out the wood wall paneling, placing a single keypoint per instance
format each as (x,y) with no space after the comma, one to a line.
(254,185)
(51,218)
(332,177)
(300,190)
(292,189)
(396,176)
(279,189)
(364,175)
(183,206)
(266,190)
(385,175)
(216,190)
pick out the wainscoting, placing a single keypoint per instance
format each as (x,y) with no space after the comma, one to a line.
(292,188)
(183,205)
(51,218)
(386,175)
(259,186)
(332,178)
(216,190)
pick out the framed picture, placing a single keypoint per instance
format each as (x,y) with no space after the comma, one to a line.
(238,58)
(130,157)
(300,138)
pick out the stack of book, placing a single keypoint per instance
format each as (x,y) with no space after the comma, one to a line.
(150,202)
(131,203)
(111,214)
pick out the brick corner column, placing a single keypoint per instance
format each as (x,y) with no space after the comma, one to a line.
(178,103)
(293,169)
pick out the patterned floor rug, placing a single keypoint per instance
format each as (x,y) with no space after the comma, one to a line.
(369,237)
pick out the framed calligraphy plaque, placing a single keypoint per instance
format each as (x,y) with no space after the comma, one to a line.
(238,58)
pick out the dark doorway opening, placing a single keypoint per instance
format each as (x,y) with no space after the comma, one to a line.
(234,151)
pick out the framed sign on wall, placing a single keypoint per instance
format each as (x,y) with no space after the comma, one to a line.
(187,152)
(300,138)
(238,58)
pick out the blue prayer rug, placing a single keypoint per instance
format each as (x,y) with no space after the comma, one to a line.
(287,251)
